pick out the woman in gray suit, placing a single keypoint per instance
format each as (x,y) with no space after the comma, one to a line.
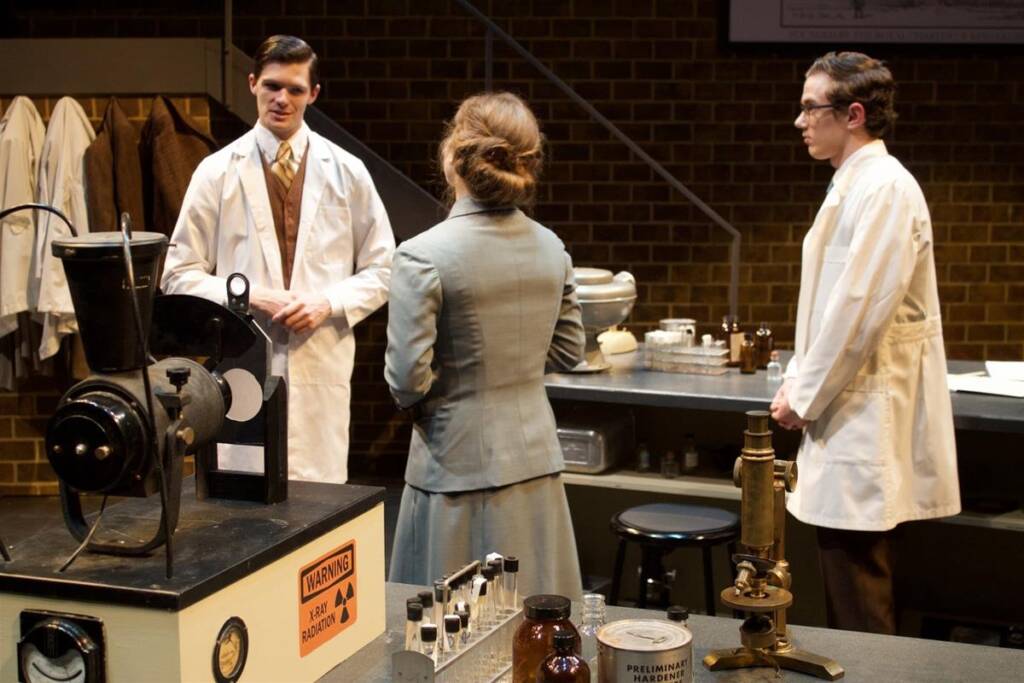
(480,305)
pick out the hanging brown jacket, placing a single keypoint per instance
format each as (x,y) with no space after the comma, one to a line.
(113,172)
(170,148)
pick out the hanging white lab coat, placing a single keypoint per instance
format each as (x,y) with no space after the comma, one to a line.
(343,251)
(869,371)
(21,141)
(61,184)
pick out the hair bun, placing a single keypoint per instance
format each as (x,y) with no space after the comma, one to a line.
(499,156)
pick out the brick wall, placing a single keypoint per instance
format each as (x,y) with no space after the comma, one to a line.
(23,414)
(718,116)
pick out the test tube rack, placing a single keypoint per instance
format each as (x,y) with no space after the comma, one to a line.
(487,658)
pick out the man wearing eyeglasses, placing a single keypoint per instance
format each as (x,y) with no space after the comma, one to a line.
(867,383)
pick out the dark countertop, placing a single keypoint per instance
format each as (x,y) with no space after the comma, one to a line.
(628,383)
(217,542)
(864,656)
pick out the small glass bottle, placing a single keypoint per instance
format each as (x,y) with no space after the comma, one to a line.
(764,340)
(426,599)
(669,465)
(413,621)
(464,633)
(428,641)
(690,457)
(748,356)
(678,614)
(442,594)
(643,458)
(483,606)
(733,336)
(510,579)
(774,368)
(498,595)
(452,634)
(593,620)
(564,665)
(545,616)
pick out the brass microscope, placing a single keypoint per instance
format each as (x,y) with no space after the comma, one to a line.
(763,580)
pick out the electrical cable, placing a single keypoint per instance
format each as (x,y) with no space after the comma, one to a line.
(88,537)
(41,207)
(126,234)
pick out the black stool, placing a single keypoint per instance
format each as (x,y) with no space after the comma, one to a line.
(660,528)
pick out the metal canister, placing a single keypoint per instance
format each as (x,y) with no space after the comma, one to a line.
(644,651)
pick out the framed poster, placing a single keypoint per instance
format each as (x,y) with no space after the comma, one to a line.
(969,22)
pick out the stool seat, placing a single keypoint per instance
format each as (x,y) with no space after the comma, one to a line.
(677,523)
(660,528)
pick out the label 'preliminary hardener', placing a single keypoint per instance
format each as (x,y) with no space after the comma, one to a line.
(644,651)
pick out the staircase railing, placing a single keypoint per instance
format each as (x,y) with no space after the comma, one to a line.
(494,30)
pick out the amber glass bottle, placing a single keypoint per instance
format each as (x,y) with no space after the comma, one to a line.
(545,615)
(764,340)
(748,355)
(564,665)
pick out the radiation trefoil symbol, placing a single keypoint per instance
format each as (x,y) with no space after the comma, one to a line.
(342,601)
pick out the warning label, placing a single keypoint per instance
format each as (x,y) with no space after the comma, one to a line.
(327,597)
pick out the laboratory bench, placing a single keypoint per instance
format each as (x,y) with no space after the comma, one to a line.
(629,384)
(864,656)
(952,569)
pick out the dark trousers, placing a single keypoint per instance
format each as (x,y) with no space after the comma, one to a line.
(857,568)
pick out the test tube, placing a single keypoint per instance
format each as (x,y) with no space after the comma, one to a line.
(498,597)
(492,596)
(428,641)
(510,582)
(413,621)
(483,605)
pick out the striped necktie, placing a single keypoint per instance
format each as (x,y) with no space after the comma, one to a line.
(282,166)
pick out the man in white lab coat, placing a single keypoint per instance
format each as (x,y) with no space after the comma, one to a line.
(867,383)
(301,219)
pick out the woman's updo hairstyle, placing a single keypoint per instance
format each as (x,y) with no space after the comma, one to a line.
(496,148)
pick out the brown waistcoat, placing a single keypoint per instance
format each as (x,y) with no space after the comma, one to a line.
(286,207)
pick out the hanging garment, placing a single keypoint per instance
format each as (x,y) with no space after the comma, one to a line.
(60,185)
(21,141)
(170,148)
(113,172)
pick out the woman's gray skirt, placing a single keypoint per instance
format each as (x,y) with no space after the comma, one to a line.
(438,533)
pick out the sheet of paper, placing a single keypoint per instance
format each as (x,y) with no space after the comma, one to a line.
(1002,369)
(986,385)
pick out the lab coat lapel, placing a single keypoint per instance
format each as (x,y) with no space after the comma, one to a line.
(312,191)
(250,171)
(820,235)
(813,256)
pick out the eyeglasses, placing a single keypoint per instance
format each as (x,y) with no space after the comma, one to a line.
(806,109)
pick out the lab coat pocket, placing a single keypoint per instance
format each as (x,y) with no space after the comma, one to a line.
(332,231)
(16,224)
(855,427)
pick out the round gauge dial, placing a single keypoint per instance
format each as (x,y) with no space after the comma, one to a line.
(58,650)
(230,651)
(38,668)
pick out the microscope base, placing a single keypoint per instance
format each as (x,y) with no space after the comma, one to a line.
(792,659)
